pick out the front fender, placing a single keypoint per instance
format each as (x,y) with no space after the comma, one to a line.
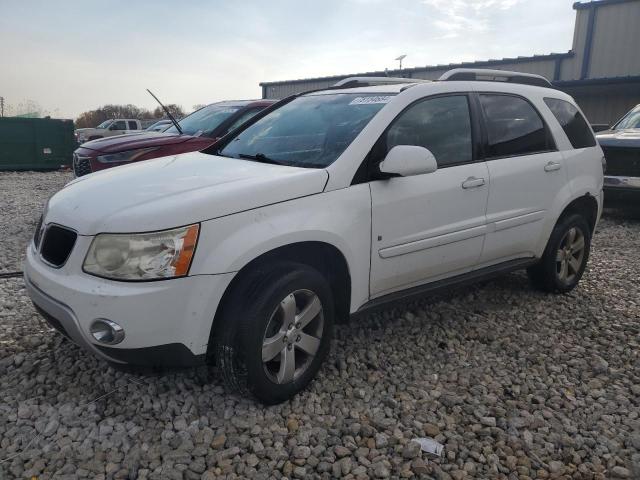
(341,218)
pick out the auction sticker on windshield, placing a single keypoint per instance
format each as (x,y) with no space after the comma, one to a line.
(371,99)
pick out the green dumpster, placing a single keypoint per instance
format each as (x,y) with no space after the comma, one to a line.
(35,143)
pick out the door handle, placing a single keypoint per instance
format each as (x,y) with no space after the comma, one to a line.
(473,182)
(552,167)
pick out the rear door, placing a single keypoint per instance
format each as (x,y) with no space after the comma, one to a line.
(526,172)
(432,225)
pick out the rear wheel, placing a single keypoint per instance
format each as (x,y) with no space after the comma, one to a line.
(565,257)
(275,332)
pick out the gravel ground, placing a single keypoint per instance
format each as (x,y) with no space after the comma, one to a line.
(23,195)
(514,383)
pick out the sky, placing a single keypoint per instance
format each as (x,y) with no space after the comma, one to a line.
(72,56)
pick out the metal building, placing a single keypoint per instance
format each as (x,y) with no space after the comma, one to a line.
(601,71)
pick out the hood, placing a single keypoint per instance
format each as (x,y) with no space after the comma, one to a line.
(173,191)
(620,138)
(131,141)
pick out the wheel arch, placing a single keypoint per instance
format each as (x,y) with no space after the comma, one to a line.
(322,256)
(586,205)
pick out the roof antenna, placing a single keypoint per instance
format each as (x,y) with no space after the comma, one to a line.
(166,110)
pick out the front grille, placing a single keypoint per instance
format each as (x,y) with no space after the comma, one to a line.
(57,244)
(81,165)
(622,161)
(37,235)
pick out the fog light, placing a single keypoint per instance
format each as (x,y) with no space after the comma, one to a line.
(107,332)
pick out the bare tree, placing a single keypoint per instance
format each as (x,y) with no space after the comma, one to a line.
(175,110)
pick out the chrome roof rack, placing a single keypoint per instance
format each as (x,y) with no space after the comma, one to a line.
(486,75)
(353,82)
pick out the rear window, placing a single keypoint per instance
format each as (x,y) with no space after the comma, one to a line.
(514,127)
(572,122)
(133,125)
(205,120)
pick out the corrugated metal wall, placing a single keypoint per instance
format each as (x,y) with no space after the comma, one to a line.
(612,46)
(605,103)
(616,41)
(284,89)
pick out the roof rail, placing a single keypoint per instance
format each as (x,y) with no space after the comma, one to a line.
(486,75)
(353,82)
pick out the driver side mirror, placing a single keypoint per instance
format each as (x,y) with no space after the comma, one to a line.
(408,160)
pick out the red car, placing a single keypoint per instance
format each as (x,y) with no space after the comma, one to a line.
(199,130)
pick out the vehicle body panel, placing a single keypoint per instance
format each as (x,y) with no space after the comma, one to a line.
(392,233)
(153,313)
(440,231)
(622,178)
(238,239)
(189,188)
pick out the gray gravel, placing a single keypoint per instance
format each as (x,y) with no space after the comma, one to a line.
(514,383)
(23,195)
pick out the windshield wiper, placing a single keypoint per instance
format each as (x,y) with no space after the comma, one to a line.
(260,157)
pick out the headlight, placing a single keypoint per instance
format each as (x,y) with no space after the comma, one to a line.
(128,156)
(142,256)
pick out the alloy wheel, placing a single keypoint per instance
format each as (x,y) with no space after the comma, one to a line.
(570,255)
(293,336)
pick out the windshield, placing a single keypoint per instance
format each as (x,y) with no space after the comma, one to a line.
(309,131)
(105,124)
(161,125)
(630,120)
(205,120)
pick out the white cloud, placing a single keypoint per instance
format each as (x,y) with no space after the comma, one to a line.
(457,17)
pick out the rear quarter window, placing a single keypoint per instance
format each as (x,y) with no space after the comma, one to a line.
(572,122)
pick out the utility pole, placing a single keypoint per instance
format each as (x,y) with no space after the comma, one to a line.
(400,58)
(1,106)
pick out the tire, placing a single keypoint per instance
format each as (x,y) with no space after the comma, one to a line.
(563,261)
(265,345)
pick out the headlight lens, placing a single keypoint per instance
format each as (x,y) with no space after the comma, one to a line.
(128,156)
(142,256)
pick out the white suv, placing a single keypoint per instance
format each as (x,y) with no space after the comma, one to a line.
(325,204)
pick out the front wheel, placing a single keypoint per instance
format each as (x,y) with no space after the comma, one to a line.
(275,331)
(565,257)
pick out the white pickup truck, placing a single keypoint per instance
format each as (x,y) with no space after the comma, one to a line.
(108,128)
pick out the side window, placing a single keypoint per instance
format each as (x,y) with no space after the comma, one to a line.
(120,125)
(513,127)
(441,124)
(132,125)
(572,122)
(241,119)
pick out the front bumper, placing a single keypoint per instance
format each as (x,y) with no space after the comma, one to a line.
(622,190)
(166,323)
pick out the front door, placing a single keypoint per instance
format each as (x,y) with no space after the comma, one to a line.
(430,226)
